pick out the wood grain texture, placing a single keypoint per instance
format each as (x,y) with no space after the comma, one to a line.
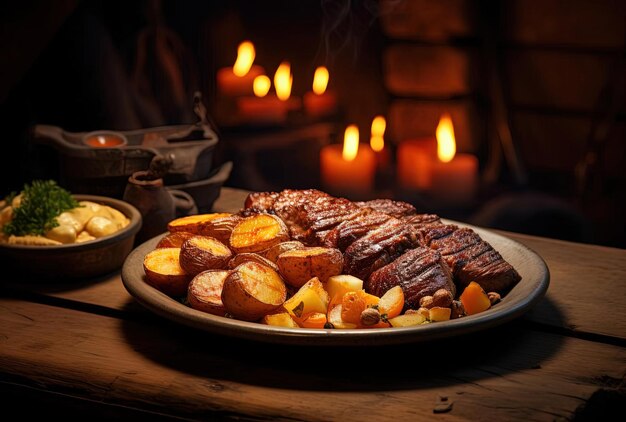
(511,373)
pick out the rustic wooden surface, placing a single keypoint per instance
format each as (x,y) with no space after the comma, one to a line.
(88,349)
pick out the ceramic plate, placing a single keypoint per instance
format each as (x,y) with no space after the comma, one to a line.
(532,287)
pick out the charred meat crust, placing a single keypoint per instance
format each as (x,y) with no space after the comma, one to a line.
(378,248)
(420,272)
(396,209)
(470,258)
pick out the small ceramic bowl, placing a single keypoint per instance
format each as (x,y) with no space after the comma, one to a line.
(104,139)
(75,260)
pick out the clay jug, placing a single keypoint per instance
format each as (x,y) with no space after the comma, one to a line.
(157,205)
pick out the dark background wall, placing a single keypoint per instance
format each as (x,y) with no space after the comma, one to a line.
(554,69)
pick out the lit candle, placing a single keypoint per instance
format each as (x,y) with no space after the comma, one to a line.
(414,160)
(377,142)
(454,177)
(348,168)
(320,102)
(264,108)
(238,80)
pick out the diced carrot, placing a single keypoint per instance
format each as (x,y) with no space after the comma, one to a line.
(392,302)
(352,305)
(370,300)
(312,320)
(475,299)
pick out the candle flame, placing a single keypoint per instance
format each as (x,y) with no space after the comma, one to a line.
(283,79)
(377,142)
(320,80)
(245,58)
(350,143)
(261,85)
(446,145)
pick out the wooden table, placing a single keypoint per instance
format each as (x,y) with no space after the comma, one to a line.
(88,349)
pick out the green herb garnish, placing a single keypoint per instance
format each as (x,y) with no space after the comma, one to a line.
(41,202)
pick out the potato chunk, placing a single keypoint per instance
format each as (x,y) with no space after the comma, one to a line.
(300,265)
(244,257)
(163,271)
(273,252)
(193,223)
(258,233)
(205,292)
(310,298)
(174,240)
(220,227)
(253,290)
(201,253)
(282,319)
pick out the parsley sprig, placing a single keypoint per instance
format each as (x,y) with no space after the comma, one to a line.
(42,201)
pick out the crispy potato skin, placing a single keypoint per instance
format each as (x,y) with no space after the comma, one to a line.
(173,240)
(193,223)
(253,290)
(258,233)
(300,265)
(163,271)
(273,252)
(201,253)
(220,228)
(205,292)
(245,257)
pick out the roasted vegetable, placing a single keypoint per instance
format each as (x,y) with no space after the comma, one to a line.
(258,233)
(205,292)
(163,271)
(253,290)
(300,265)
(201,253)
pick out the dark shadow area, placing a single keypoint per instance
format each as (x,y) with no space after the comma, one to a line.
(463,359)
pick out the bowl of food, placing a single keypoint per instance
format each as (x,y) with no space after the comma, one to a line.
(48,233)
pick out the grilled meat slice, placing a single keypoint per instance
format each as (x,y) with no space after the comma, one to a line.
(396,209)
(261,201)
(420,272)
(470,258)
(378,248)
(349,231)
(421,220)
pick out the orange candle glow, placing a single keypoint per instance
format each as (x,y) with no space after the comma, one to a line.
(238,80)
(348,168)
(414,162)
(454,177)
(377,142)
(320,101)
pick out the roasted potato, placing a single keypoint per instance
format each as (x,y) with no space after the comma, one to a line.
(174,240)
(201,253)
(220,227)
(245,257)
(253,290)
(193,223)
(282,319)
(205,292)
(300,265)
(258,233)
(273,252)
(310,298)
(163,271)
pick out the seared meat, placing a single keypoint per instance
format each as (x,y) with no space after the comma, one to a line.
(420,272)
(420,220)
(371,237)
(393,208)
(349,231)
(470,258)
(378,248)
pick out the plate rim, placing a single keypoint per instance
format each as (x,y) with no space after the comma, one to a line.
(172,309)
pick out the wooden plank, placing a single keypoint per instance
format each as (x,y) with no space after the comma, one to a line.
(587,286)
(509,373)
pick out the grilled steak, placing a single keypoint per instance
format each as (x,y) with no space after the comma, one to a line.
(378,248)
(420,272)
(470,258)
(396,209)
(349,231)
(372,234)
